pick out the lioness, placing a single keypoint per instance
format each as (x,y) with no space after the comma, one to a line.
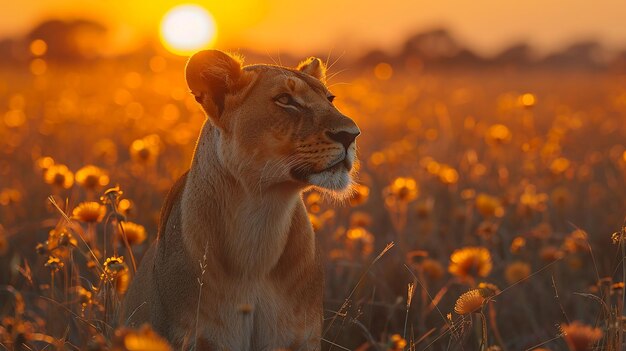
(271,133)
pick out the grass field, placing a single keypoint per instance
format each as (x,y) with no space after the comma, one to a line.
(501,190)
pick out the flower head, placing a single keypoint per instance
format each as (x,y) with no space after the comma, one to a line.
(91,177)
(498,134)
(403,189)
(518,243)
(579,336)
(113,266)
(559,165)
(470,262)
(54,263)
(59,175)
(489,206)
(360,194)
(576,241)
(116,273)
(469,302)
(145,150)
(360,241)
(135,233)
(433,270)
(84,296)
(448,175)
(143,339)
(360,219)
(517,271)
(531,200)
(89,212)
(397,343)
(314,202)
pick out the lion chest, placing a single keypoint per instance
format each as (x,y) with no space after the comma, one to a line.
(255,317)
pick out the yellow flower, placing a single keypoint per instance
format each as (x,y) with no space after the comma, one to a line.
(116,273)
(519,242)
(314,201)
(397,342)
(135,233)
(498,134)
(541,231)
(10,196)
(489,206)
(360,195)
(316,222)
(470,262)
(113,266)
(448,175)
(487,230)
(403,189)
(532,200)
(59,175)
(84,296)
(144,339)
(360,241)
(550,253)
(356,233)
(579,336)
(360,219)
(90,212)
(92,177)
(44,163)
(617,288)
(517,271)
(145,150)
(433,270)
(125,207)
(576,241)
(111,195)
(559,165)
(59,241)
(54,264)
(469,302)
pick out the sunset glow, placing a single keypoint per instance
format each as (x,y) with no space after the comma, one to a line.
(187,28)
(349,175)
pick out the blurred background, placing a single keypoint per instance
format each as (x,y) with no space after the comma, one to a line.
(488,29)
(493,155)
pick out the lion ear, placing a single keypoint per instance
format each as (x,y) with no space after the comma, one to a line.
(211,75)
(314,67)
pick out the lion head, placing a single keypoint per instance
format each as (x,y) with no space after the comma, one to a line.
(274,125)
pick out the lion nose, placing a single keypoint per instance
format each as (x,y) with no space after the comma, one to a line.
(343,137)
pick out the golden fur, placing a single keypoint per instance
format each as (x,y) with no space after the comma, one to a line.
(272,132)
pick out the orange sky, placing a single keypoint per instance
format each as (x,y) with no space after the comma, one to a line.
(349,25)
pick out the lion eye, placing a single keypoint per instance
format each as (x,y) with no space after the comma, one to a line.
(331,98)
(286,99)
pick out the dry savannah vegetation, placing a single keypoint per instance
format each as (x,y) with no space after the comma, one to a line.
(488,215)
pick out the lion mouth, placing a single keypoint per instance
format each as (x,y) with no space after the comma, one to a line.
(338,165)
(303,173)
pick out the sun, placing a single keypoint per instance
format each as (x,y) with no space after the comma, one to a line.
(188,28)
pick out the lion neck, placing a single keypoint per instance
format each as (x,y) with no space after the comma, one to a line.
(244,232)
